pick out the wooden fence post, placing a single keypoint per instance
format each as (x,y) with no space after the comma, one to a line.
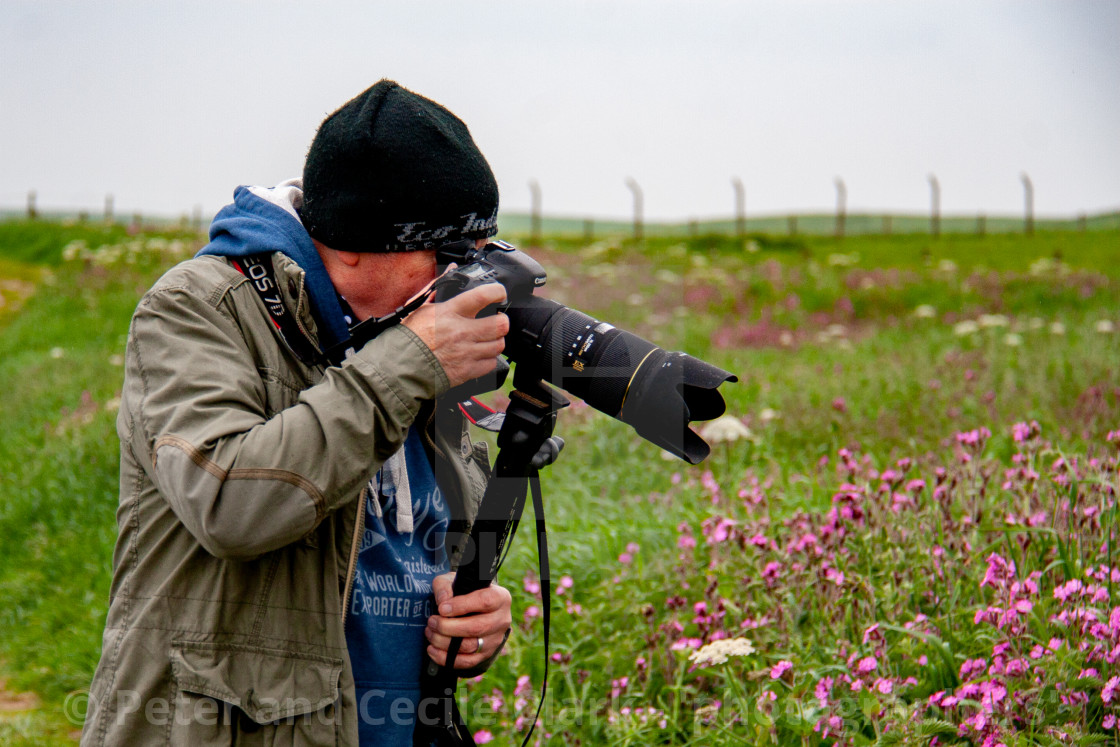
(1028,198)
(535,213)
(934,206)
(637,190)
(740,209)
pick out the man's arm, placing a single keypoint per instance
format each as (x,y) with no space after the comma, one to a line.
(242,482)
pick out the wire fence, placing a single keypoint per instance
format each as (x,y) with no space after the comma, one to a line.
(536,224)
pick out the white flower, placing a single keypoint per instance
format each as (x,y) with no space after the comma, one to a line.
(992,320)
(767,414)
(1105,327)
(925,311)
(57,353)
(786,339)
(717,652)
(842,260)
(116,359)
(967,327)
(1057,328)
(1012,339)
(725,430)
(947,265)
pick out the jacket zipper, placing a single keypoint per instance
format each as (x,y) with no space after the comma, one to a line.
(355,543)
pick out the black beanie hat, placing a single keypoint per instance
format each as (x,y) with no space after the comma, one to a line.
(392,171)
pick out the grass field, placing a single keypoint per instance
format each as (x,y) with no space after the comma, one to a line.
(904,533)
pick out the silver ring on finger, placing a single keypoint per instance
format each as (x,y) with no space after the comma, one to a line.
(479,649)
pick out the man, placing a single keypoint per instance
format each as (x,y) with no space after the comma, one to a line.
(283,523)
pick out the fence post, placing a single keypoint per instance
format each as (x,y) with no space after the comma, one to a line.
(637,190)
(588,230)
(535,213)
(887,225)
(934,206)
(841,206)
(1028,198)
(740,208)
(32,211)
(108,210)
(981,224)
(792,225)
(1082,222)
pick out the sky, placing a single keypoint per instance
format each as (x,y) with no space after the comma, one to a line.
(168,106)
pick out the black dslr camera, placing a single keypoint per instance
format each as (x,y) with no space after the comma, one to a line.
(654,391)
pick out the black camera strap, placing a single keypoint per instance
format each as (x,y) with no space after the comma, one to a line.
(257,269)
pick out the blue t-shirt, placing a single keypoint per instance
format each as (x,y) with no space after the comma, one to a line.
(392,597)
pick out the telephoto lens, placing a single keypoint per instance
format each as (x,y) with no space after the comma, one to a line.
(654,391)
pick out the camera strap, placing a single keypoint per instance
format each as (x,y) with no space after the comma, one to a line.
(363,332)
(481,415)
(257,269)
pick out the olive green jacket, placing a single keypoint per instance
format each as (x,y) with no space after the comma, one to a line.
(242,474)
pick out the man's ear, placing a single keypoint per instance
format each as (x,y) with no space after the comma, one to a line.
(350,259)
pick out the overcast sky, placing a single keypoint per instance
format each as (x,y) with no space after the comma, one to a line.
(168,105)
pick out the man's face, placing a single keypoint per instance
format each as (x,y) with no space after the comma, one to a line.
(418,268)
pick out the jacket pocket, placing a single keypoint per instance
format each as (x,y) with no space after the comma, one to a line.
(228,694)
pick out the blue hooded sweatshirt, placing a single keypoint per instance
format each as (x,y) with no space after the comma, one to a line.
(402,549)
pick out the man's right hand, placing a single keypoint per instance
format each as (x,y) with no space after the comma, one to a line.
(466,347)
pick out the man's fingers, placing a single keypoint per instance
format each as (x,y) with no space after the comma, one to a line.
(476,299)
(441,587)
(471,627)
(491,598)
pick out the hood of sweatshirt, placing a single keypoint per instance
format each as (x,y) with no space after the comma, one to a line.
(261,220)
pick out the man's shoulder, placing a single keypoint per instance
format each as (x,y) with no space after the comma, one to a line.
(203,276)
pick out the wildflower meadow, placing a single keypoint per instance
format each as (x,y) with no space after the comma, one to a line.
(905,533)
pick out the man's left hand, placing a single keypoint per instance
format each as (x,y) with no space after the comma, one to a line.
(481,616)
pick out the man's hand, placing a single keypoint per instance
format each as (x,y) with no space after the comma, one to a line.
(466,347)
(482,615)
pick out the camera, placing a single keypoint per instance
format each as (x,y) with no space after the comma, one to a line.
(656,392)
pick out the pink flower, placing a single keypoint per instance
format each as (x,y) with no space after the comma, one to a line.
(483,737)
(626,558)
(1109,691)
(780,668)
(884,686)
(824,688)
(972,667)
(867,664)
(1109,721)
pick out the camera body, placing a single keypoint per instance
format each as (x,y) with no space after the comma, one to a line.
(497,262)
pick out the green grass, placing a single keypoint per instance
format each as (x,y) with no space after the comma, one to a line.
(889,384)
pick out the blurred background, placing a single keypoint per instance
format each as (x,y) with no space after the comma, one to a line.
(164,109)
